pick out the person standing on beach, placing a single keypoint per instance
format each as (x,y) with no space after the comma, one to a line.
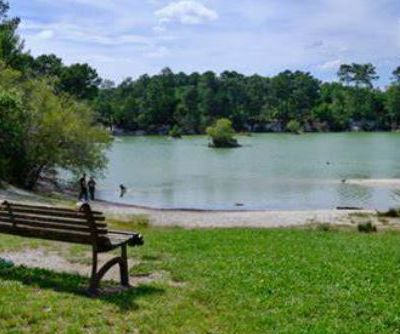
(92,188)
(83,194)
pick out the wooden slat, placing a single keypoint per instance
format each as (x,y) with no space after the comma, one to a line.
(49,208)
(80,221)
(60,224)
(49,234)
(44,225)
(76,215)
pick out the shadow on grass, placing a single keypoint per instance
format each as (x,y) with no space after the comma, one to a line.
(74,284)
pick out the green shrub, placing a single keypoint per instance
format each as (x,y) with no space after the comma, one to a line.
(294,127)
(222,134)
(324,227)
(367,227)
(391,213)
(175,132)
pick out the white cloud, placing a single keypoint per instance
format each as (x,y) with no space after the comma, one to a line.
(45,34)
(159,28)
(160,52)
(186,12)
(314,45)
(75,33)
(331,65)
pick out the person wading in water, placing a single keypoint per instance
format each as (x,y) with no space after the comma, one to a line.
(123,190)
(92,188)
(83,194)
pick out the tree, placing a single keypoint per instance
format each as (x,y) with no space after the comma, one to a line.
(396,75)
(187,114)
(364,74)
(345,74)
(392,104)
(11,132)
(209,106)
(294,126)
(331,109)
(293,95)
(158,102)
(79,80)
(233,98)
(360,74)
(11,46)
(48,65)
(257,89)
(222,134)
(42,131)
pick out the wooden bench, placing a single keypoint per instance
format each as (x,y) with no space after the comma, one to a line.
(82,226)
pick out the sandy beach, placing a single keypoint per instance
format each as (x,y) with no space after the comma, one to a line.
(379,183)
(197,218)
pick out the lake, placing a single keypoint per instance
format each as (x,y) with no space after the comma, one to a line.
(270,171)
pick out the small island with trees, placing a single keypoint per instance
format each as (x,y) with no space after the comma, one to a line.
(222,134)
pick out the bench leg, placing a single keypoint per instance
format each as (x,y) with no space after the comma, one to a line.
(97,275)
(94,282)
(123,266)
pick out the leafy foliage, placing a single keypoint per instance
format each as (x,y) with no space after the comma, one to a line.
(359,74)
(42,125)
(42,131)
(175,132)
(79,80)
(222,133)
(294,127)
(366,227)
(195,101)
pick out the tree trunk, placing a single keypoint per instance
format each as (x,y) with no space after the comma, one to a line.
(33,177)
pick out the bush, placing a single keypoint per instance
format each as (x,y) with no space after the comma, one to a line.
(222,134)
(294,127)
(366,227)
(324,227)
(391,213)
(175,132)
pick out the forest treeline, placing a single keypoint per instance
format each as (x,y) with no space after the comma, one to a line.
(286,102)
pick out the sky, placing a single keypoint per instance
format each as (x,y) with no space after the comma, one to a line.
(127,38)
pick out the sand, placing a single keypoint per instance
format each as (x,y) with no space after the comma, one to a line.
(205,219)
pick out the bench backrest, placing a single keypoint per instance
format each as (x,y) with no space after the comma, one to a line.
(82,226)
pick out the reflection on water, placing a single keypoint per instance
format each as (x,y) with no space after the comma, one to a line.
(270,171)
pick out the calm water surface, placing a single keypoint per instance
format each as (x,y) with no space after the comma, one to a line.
(270,171)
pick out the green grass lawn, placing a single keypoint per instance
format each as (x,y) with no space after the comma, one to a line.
(224,281)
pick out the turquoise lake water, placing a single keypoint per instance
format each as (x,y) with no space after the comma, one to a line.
(270,171)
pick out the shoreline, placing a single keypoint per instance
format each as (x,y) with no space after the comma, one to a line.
(143,133)
(107,203)
(229,219)
(196,218)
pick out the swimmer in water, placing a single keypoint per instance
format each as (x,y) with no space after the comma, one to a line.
(122,190)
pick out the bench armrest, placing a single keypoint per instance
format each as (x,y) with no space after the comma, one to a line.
(135,240)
